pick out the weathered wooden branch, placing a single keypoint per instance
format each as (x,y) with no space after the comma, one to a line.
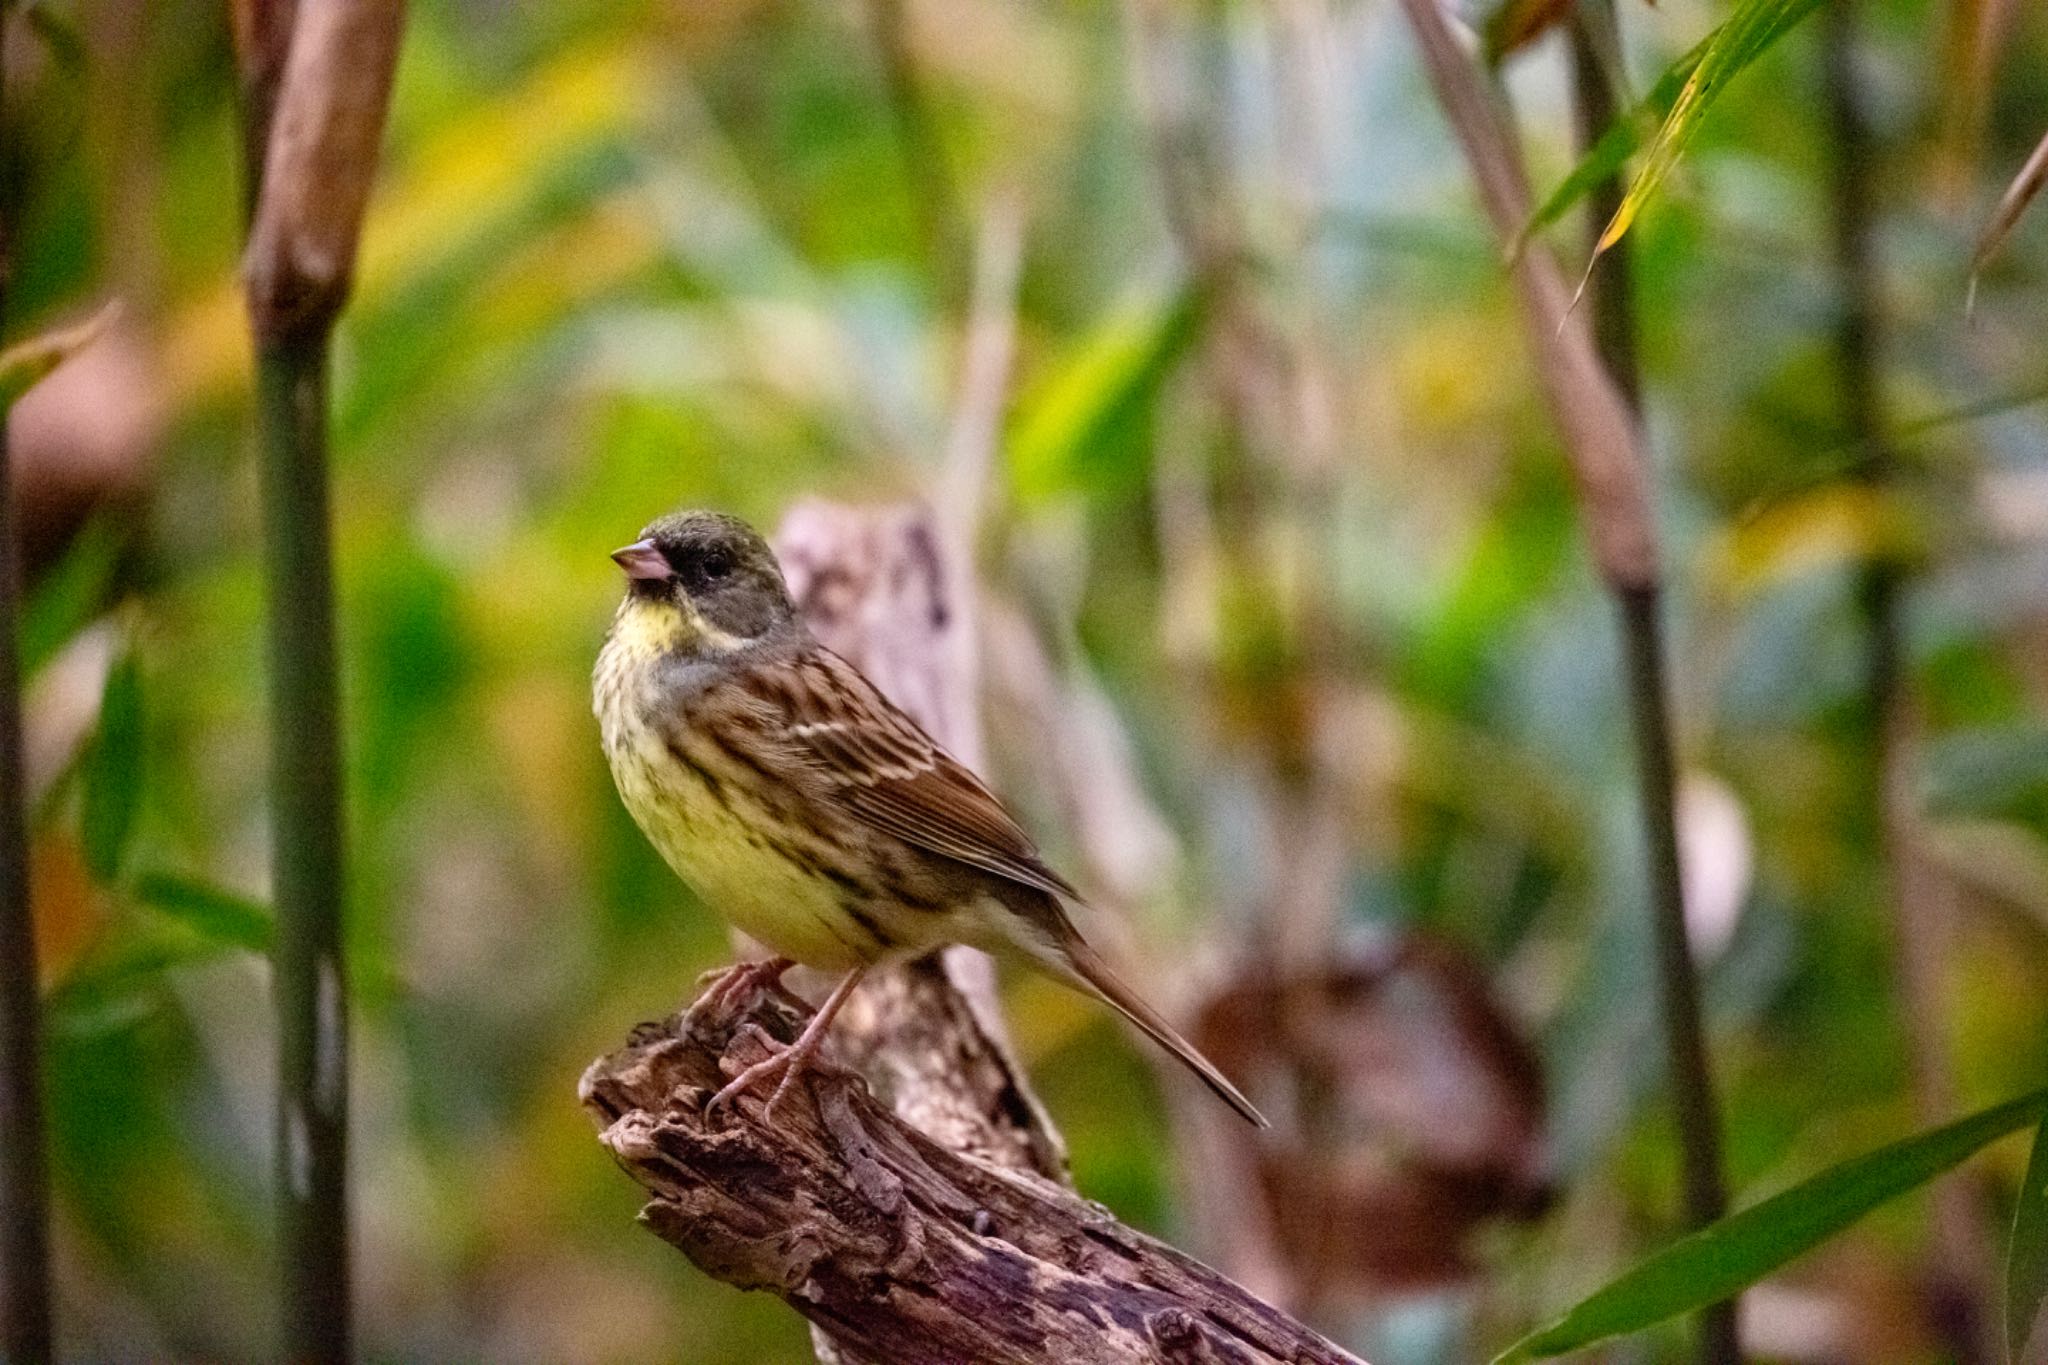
(902,1249)
(917,1211)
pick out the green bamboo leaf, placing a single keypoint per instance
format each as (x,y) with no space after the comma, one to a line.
(71,594)
(1077,429)
(215,914)
(122,984)
(1616,145)
(112,775)
(23,363)
(2026,1257)
(1741,39)
(1716,1262)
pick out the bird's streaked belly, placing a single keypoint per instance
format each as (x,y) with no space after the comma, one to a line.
(739,857)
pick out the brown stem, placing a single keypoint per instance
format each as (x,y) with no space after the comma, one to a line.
(1611,291)
(1603,444)
(318,160)
(25,1317)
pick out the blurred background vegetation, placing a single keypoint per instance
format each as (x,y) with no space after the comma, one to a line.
(1290,637)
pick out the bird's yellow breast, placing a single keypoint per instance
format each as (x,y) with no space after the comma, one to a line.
(708,822)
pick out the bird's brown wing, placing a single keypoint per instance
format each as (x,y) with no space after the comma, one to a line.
(874,762)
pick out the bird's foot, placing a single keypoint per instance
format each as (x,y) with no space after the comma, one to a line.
(734,984)
(788,1063)
(783,1068)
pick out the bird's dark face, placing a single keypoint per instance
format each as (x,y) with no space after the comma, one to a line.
(703,583)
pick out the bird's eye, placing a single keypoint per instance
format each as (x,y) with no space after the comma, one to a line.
(715,565)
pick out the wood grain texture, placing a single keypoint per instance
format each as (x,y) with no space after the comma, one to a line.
(898,1247)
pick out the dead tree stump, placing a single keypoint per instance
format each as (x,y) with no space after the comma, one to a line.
(899,1248)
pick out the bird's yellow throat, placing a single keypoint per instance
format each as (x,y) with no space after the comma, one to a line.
(646,629)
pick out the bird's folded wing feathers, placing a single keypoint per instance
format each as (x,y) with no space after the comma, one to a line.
(875,763)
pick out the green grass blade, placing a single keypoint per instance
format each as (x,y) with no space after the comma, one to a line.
(1719,1261)
(1616,145)
(1741,39)
(2026,1258)
(112,778)
(218,916)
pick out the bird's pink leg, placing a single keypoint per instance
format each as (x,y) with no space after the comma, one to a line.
(790,1062)
(743,977)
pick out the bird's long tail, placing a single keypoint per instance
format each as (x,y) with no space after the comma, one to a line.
(1083,968)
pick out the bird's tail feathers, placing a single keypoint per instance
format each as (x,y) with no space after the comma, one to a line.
(1084,969)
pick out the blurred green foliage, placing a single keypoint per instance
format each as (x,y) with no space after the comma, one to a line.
(628,256)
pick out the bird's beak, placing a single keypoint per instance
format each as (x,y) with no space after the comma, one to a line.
(641,560)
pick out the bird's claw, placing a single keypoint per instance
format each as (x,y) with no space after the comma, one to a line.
(742,979)
(784,1064)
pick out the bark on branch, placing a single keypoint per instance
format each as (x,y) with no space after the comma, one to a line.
(900,1248)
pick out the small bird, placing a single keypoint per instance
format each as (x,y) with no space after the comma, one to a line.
(805,808)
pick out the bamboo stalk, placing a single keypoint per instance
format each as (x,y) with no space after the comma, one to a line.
(316,82)
(307,856)
(1961,1277)
(1603,445)
(25,1315)
(1610,292)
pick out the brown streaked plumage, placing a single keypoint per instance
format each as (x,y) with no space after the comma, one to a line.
(802,805)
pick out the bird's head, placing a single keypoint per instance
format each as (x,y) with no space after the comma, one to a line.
(702,584)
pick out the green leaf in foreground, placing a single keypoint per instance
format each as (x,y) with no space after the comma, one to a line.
(1675,105)
(218,916)
(1719,1261)
(1741,39)
(112,777)
(2026,1257)
(1615,146)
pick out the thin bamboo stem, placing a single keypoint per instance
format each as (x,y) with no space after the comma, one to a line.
(1603,443)
(1692,1085)
(316,83)
(1916,901)
(1612,298)
(25,1313)
(307,853)
(1610,290)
